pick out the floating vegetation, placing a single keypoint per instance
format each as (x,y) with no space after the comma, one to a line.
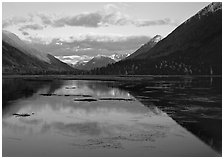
(120,99)
(22,114)
(48,94)
(70,87)
(100,143)
(66,95)
(86,96)
(116,141)
(85,100)
(80,95)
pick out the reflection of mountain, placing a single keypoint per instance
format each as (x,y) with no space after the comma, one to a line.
(102,89)
(194,103)
(20,58)
(13,89)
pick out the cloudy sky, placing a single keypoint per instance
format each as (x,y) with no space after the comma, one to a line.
(79,29)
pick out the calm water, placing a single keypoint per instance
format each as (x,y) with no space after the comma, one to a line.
(157,117)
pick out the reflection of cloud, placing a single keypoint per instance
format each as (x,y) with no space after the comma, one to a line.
(104,89)
(88,128)
(26,90)
(16,128)
(45,128)
(66,117)
(31,121)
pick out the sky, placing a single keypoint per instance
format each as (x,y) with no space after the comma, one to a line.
(73,30)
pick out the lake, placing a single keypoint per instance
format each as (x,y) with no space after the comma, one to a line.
(160,116)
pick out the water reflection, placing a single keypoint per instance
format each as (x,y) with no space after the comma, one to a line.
(61,126)
(14,89)
(195,103)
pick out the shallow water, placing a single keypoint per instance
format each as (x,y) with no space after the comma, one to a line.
(96,118)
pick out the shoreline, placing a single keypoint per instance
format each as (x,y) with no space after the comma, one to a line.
(102,77)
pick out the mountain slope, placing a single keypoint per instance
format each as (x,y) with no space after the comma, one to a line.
(194,33)
(17,57)
(195,47)
(79,65)
(14,41)
(98,62)
(146,47)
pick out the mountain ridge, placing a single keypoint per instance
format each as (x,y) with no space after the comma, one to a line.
(97,62)
(193,48)
(19,58)
(146,47)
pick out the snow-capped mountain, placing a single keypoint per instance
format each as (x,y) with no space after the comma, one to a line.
(97,62)
(118,57)
(146,47)
(87,63)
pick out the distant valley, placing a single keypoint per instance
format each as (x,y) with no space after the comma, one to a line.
(96,61)
(193,48)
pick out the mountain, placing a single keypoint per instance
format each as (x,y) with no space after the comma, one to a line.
(117,57)
(146,47)
(193,48)
(80,65)
(19,58)
(97,62)
(14,41)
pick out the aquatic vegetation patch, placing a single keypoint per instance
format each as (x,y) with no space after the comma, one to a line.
(22,114)
(66,95)
(119,99)
(85,100)
(70,87)
(115,142)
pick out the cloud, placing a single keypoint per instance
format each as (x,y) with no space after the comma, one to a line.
(25,33)
(31,27)
(86,20)
(44,18)
(142,23)
(36,40)
(110,15)
(15,21)
(73,59)
(90,44)
(108,42)
(102,19)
